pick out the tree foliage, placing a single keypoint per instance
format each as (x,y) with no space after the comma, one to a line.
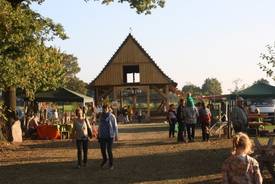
(141,6)
(268,61)
(71,65)
(71,81)
(211,86)
(77,85)
(26,62)
(261,81)
(193,89)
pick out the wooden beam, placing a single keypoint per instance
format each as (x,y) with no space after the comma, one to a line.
(106,93)
(148,103)
(167,96)
(163,95)
(96,96)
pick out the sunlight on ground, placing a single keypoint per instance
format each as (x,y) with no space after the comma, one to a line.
(144,154)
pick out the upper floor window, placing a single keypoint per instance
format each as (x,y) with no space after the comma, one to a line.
(131,74)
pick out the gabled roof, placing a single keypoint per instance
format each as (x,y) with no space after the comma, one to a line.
(258,90)
(142,50)
(62,95)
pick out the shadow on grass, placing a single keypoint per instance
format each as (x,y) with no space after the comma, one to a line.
(56,144)
(143,129)
(136,169)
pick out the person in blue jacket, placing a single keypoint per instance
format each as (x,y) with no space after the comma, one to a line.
(107,133)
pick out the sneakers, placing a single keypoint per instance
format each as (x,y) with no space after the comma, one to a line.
(111,167)
(103,164)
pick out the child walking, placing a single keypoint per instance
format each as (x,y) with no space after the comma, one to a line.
(240,168)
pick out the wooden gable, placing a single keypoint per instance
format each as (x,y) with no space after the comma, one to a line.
(131,53)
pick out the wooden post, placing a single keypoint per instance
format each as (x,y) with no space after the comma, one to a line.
(115,99)
(148,103)
(134,103)
(121,98)
(96,96)
(167,96)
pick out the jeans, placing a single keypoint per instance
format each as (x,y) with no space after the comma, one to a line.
(205,131)
(172,124)
(82,145)
(181,132)
(106,147)
(191,131)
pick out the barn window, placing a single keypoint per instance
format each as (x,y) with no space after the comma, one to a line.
(131,74)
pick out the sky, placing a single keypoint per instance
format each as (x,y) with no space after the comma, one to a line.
(190,40)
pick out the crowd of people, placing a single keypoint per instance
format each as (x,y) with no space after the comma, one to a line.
(187,115)
(239,167)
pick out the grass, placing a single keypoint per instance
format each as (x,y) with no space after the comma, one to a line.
(270,128)
(144,154)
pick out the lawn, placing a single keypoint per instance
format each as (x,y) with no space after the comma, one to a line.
(144,154)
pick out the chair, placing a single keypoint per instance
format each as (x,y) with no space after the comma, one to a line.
(65,131)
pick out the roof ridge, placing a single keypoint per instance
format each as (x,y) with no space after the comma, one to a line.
(143,50)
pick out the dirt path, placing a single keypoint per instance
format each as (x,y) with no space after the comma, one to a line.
(144,154)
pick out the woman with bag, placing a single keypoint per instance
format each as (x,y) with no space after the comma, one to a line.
(81,131)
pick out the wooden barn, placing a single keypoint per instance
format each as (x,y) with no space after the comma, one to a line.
(129,73)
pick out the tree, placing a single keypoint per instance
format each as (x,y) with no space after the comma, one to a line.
(26,62)
(261,81)
(141,6)
(269,61)
(77,85)
(193,89)
(211,86)
(71,81)
(71,65)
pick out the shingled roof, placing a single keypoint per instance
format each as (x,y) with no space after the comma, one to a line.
(144,52)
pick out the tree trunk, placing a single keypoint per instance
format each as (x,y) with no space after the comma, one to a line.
(10,106)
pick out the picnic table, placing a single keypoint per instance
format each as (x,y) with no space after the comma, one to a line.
(266,155)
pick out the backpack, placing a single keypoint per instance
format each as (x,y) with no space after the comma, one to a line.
(205,117)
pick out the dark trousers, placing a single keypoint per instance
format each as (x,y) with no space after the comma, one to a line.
(82,145)
(172,124)
(106,147)
(181,132)
(205,131)
(191,131)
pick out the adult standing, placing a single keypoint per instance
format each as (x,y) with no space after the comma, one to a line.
(80,132)
(172,119)
(108,132)
(191,114)
(205,120)
(239,116)
(181,123)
